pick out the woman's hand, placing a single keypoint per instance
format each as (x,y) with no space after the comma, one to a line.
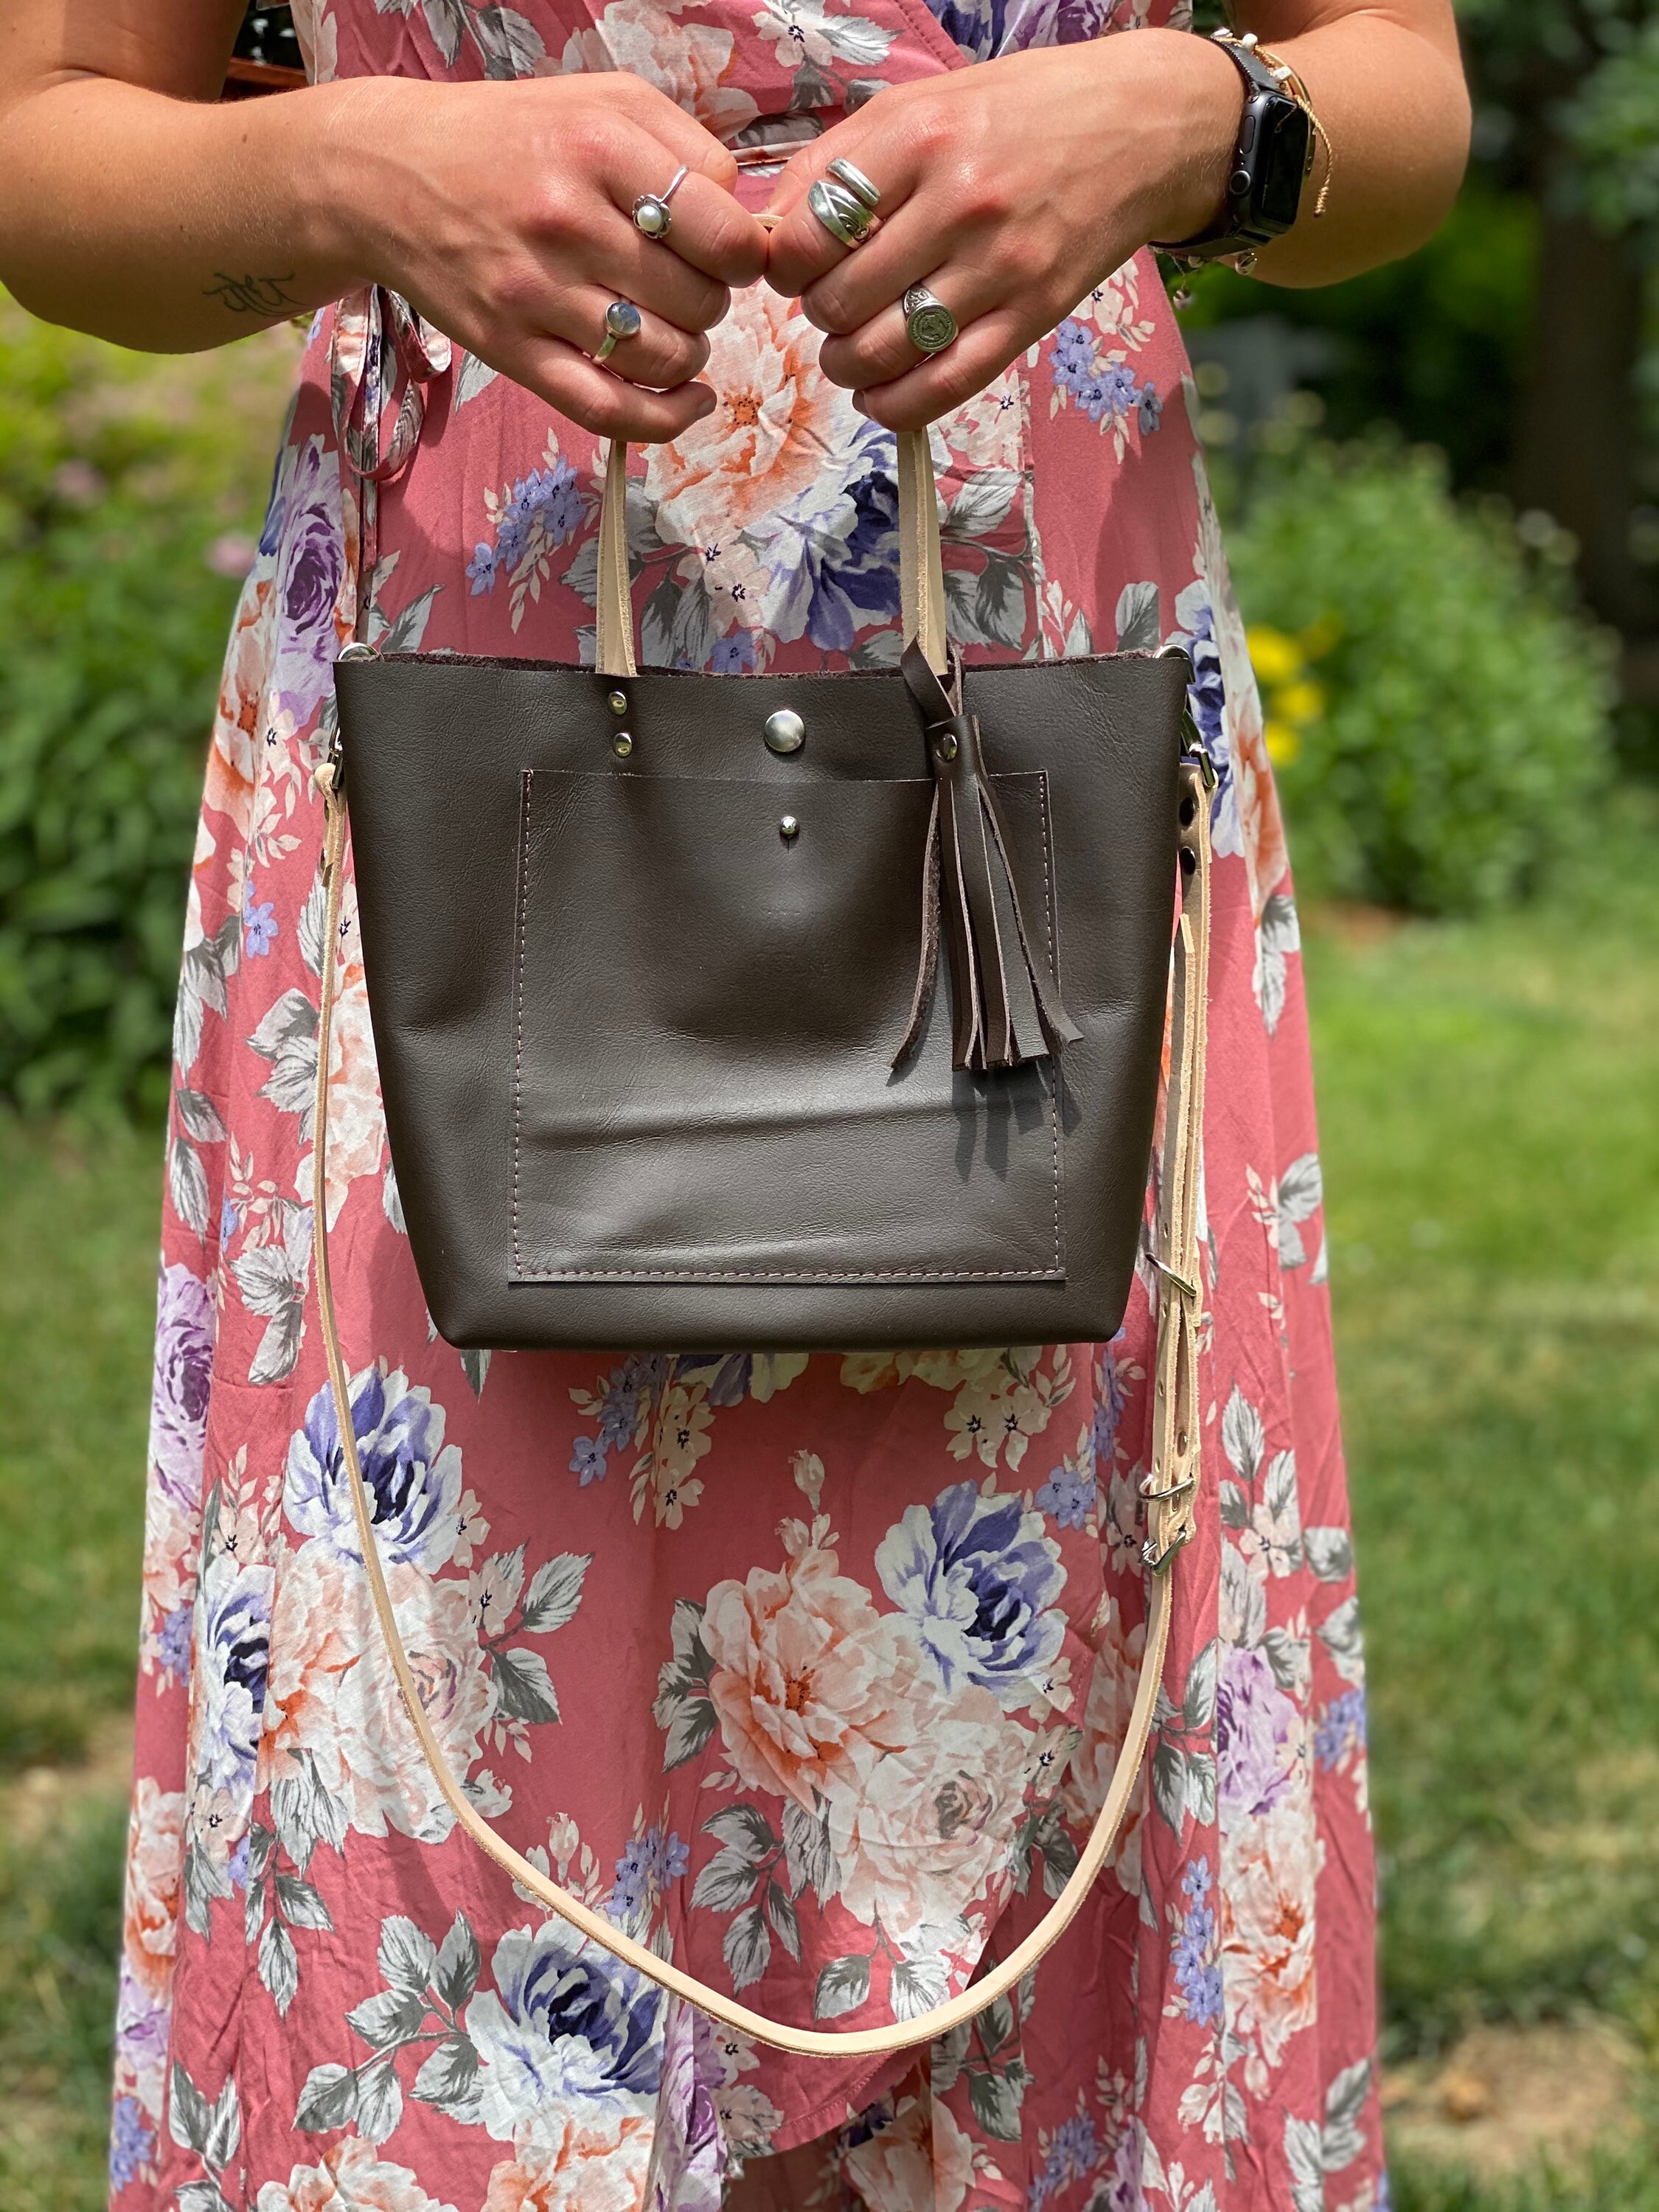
(503,213)
(1010,189)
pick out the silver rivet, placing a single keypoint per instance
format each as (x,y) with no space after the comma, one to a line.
(785,732)
(618,702)
(788,827)
(622,744)
(946,747)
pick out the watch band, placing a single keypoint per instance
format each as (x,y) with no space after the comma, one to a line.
(1271,156)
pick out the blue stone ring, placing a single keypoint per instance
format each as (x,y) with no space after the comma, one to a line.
(621,320)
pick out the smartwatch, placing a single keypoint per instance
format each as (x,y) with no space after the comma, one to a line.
(1271,160)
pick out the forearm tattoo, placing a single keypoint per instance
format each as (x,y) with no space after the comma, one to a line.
(252,295)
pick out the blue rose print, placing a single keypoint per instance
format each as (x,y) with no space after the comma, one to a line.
(979,1577)
(563,2022)
(414,1478)
(233,1654)
(1206,697)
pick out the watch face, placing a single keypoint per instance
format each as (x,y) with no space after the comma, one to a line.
(1281,165)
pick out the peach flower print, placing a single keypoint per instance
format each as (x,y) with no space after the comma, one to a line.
(326,1695)
(923,2162)
(585,2158)
(356,1119)
(232,757)
(812,1684)
(1266,1933)
(779,426)
(685,60)
(352,2178)
(1105,1718)
(154,1862)
(924,1832)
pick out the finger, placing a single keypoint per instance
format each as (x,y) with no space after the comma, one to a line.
(710,229)
(944,382)
(682,136)
(627,266)
(660,354)
(881,349)
(934,229)
(606,405)
(801,250)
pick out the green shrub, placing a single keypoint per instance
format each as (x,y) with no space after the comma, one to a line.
(1444,716)
(125,489)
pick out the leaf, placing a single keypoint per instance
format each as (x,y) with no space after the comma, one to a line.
(447,23)
(1288,1656)
(1059,1852)
(1279,1496)
(1243,1600)
(510,46)
(475,1360)
(379,2100)
(287,1037)
(1235,1514)
(329,2099)
(187,1184)
(301,1906)
(261,1841)
(1170,1782)
(782,1914)
(1136,618)
(1301,1188)
(1330,1553)
(842,1986)
(1340,1636)
(524,1688)
(407,1957)
(808,1855)
(224,2126)
(279,1967)
(404,632)
(1200,1786)
(945,2058)
(747,1948)
(688,1732)
(313,916)
(1242,1438)
(982,503)
(915,1985)
(198,1116)
(554,1592)
(1281,933)
(996,2026)
(1198,1706)
(996,2101)
(744,1828)
(389,2017)
(447,2077)
(201,2197)
(456,1975)
(472,376)
(726,1882)
(307,1814)
(1301,2155)
(188,2114)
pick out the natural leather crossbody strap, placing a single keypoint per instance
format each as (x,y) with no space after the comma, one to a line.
(921,575)
(1170,1488)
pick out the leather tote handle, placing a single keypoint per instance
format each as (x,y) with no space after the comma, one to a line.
(921,575)
(1169,1489)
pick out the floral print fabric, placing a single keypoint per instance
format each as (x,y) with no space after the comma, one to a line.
(812,1671)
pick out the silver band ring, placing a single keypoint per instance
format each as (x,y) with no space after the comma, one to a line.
(621,320)
(652,216)
(842,214)
(857,183)
(928,323)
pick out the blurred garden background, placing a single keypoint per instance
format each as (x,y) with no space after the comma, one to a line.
(1443,487)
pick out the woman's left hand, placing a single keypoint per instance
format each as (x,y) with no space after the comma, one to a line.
(1011,189)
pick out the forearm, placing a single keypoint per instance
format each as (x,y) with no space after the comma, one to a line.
(172,225)
(1388,86)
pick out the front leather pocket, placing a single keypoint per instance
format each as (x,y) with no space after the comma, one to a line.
(705,1010)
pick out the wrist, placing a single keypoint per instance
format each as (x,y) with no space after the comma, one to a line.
(1194,107)
(349,202)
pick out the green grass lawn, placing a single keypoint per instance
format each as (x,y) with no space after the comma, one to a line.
(1490,1113)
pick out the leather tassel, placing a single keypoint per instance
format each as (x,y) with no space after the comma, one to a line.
(1008,1011)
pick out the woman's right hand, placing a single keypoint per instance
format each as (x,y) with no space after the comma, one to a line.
(503,213)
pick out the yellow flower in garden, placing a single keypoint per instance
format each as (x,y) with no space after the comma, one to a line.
(1275,658)
(1300,703)
(1282,741)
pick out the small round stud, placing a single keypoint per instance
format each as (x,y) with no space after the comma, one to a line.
(945,746)
(785,731)
(618,702)
(357,651)
(789,828)
(622,744)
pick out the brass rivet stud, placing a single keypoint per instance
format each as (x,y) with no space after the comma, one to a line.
(789,828)
(618,702)
(946,747)
(785,731)
(622,744)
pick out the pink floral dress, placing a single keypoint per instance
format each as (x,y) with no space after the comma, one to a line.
(811,1670)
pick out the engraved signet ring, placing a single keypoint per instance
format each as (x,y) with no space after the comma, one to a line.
(928,323)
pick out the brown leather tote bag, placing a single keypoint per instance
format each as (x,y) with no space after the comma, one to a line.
(811,1011)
